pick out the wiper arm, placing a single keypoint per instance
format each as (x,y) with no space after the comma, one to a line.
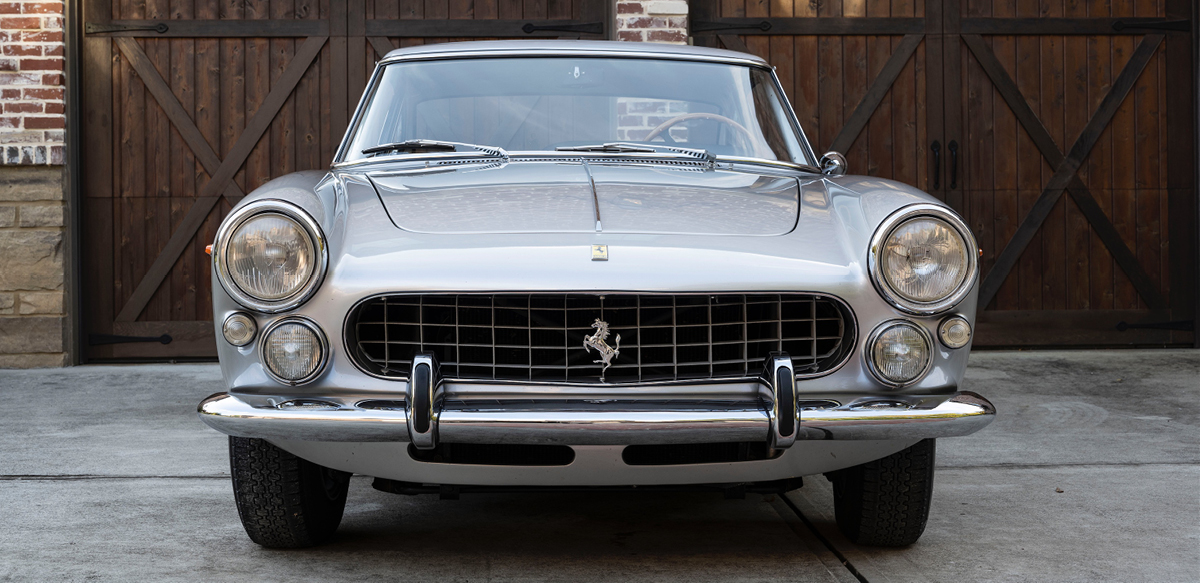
(411,145)
(627,148)
(613,147)
(433,146)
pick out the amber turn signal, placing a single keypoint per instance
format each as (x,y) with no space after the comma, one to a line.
(208,249)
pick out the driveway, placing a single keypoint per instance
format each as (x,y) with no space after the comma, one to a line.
(1090,473)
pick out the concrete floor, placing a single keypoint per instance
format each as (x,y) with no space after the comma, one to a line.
(106,475)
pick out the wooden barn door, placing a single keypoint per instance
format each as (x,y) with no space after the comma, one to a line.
(187,105)
(863,76)
(1062,131)
(1075,132)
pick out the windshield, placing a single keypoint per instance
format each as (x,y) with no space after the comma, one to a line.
(549,103)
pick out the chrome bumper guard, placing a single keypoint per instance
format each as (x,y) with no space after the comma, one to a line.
(581,423)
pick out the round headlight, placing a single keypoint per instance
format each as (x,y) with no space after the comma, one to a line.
(923,259)
(270,257)
(294,350)
(900,352)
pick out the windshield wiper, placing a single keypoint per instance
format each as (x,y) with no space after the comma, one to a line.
(432,146)
(627,148)
(613,147)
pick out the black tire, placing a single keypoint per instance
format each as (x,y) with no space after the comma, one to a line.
(284,501)
(886,502)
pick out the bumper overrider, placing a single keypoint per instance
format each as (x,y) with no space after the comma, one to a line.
(424,417)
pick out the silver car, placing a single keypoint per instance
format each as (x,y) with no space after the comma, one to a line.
(570,264)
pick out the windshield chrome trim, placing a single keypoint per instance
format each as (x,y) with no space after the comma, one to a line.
(567,52)
(806,146)
(568,156)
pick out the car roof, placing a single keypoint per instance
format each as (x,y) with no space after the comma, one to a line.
(571,48)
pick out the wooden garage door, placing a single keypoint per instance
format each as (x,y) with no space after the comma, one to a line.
(1063,131)
(187,105)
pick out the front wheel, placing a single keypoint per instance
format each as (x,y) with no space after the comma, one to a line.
(284,501)
(886,502)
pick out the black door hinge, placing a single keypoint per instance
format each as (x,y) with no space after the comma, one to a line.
(1181,325)
(1173,25)
(710,26)
(585,28)
(102,27)
(98,339)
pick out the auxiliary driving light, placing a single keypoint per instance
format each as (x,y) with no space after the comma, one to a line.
(294,350)
(900,353)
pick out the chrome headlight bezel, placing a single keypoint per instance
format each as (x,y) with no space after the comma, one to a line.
(265,336)
(270,206)
(884,232)
(869,352)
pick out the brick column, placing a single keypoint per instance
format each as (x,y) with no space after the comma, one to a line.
(663,21)
(32,118)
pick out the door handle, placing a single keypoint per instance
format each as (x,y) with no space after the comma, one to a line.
(936,147)
(953,147)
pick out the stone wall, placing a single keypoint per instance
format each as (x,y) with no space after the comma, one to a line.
(32,249)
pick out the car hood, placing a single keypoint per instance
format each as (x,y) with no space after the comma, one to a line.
(569,197)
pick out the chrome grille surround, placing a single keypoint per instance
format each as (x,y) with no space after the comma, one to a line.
(538,337)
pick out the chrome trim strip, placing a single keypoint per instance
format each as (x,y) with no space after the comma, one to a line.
(870,359)
(291,211)
(805,145)
(885,230)
(851,338)
(307,323)
(488,53)
(523,422)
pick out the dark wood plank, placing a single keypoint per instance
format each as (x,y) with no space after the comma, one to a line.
(249,28)
(1181,182)
(875,94)
(233,161)
(733,42)
(96,181)
(821,25)
(1065,171)
(935,92)
(1041,26)
(1054,230)
(444,27)
(382,45)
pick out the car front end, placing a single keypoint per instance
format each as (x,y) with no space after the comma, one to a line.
(619,315)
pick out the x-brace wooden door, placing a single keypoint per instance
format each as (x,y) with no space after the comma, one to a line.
(187,105)
(1072,134)
(864,76)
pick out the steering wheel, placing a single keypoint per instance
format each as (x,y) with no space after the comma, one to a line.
(654,133)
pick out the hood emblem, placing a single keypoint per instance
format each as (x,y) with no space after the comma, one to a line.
(597,341)
(599,253)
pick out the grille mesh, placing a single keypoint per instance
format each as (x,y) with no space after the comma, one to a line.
(540,337)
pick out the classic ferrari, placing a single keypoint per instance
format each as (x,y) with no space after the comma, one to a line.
(587,265)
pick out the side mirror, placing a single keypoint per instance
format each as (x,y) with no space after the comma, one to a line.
(833,164)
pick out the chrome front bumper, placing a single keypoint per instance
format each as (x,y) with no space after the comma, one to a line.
(602,423)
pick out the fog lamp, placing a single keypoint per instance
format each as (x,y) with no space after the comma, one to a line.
(294,350)
(239,329)
(900,353)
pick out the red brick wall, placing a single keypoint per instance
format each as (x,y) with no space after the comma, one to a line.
(663,21)
(31,82)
